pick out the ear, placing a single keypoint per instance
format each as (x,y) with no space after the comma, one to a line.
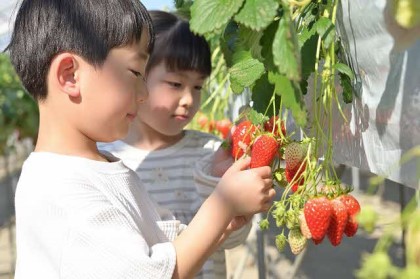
(66,73)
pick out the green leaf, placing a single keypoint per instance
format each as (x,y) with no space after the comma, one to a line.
(236,87)
(250,39)
(326,29)
(257,14)
(245,71)
(305,35)
(256,117)
(266,42)
(344,69)
(208,15)
(308,56)
(347,87)
(286,50)
(291,96)
(262,92)
(228,42)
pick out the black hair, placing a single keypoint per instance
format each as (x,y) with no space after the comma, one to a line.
(177,46)
(89,28)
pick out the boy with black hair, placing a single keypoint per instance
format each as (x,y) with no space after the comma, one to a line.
(81,213)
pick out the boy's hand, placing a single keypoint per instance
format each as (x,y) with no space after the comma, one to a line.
(246,191)
(235,224)
(238,222)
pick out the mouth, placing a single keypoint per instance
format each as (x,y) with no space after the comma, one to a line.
(131,116)
(181,117)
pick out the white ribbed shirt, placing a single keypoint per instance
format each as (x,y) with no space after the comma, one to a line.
(177,179)
(80,218)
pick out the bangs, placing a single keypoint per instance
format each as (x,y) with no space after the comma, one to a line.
(128,22)
(181,50)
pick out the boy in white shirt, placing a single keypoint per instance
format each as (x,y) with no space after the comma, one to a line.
(168,159)
(84,214)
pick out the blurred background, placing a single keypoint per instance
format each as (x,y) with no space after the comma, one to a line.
(388,77)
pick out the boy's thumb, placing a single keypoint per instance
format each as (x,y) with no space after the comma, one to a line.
(241,164)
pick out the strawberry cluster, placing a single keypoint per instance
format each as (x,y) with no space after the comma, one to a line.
(333,218)
(305,209)
(319,217)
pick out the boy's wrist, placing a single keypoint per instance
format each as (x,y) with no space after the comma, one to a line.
(219,203)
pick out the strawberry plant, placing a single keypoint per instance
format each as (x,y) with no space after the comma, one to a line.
(275,49)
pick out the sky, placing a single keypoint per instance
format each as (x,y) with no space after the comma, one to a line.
(158,4)
(7,6)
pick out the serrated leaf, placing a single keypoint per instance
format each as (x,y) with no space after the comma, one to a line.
(291,96)
(257,14)
(286,50)
(245,71)
(262,93)
(344,69)
(236,87)
(305,34)
(326,29)
(208,15)
(308,58)
(267,45)
(241,55)
(256,117)
(228,42)
(347,87)
(250,39)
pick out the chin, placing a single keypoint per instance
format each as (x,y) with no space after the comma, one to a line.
(117,136)
(172,133)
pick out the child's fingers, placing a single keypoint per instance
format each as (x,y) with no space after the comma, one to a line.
(240,165)
(268,182)
(268,200)
(271,194)
(263,172)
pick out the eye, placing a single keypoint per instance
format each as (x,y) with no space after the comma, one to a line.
(198,87)
(174,84)
(137,74)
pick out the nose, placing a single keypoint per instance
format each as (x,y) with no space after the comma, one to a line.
(187,98)
(143,92)
(142,96)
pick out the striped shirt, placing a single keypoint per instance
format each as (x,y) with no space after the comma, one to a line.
(177,179)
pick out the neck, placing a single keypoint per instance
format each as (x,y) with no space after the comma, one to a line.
(145,137)
(58,136)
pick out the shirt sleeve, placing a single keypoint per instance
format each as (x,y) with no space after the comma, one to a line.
(104,243)
(205,185)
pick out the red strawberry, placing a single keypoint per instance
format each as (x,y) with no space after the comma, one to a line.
(291,173)
(317,215)
(223,126)
(299,179)
(211,125)
(295,187)
(272,126)
(294,154)
(317,241)
(353,208)
(338,222)
(263,151)
(241,138)
(202,121)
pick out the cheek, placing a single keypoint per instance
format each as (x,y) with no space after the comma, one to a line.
(196,103)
